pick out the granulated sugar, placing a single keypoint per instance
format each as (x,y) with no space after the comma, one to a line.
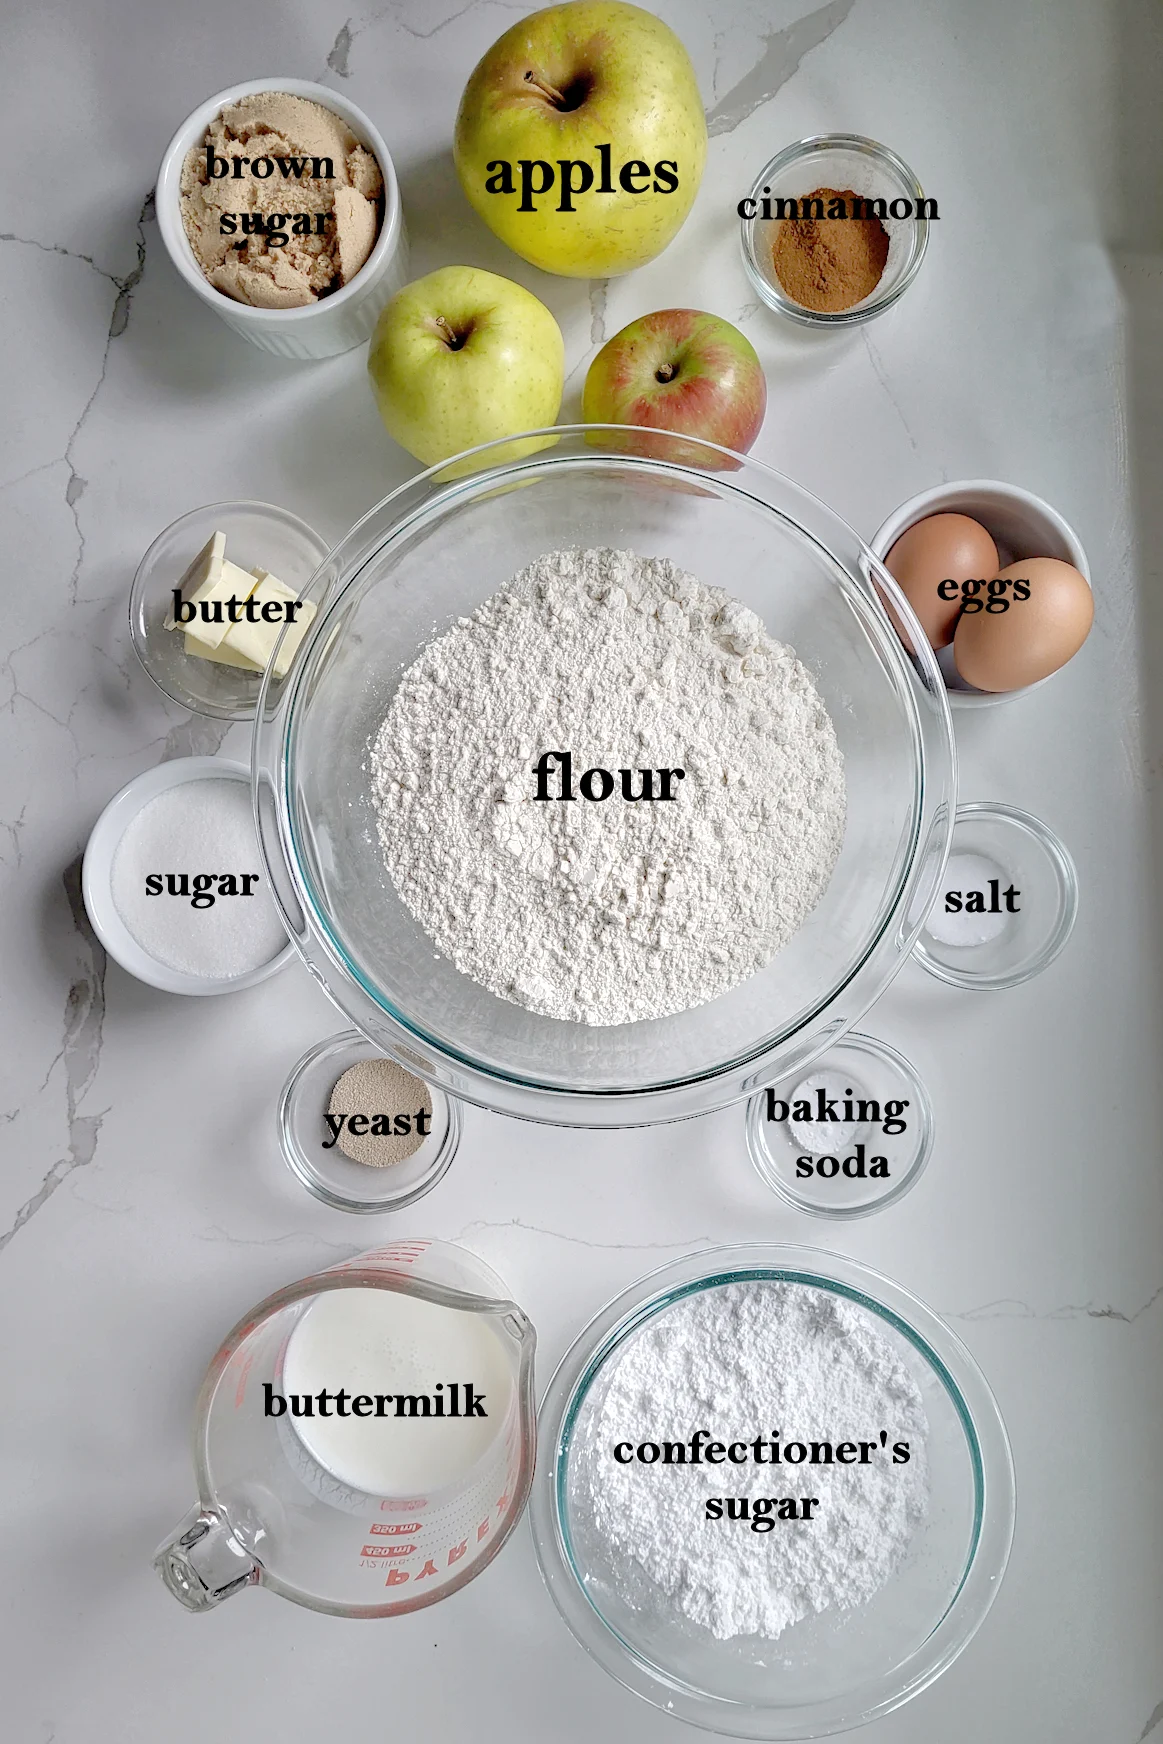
(174,855)
(750,1365)
(611,911)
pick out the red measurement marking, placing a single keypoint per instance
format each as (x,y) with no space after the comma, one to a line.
(394,1528)
(240,1389)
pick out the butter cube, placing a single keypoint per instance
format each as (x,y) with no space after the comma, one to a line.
(257,640)
(232,583)
(224,655)
(202,576)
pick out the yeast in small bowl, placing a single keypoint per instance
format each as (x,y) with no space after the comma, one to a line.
(312,1150)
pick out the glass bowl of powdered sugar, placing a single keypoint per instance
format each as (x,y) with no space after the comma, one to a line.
(774,1492)
(603,790)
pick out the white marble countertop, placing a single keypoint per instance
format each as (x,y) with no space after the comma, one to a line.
(143,1201)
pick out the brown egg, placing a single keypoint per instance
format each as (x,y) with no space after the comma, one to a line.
(929,557)
(1049,611)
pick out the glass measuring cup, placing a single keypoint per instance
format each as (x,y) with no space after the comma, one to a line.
(268,1514)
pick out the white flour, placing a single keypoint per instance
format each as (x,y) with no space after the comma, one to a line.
(612,911)
(762,1360)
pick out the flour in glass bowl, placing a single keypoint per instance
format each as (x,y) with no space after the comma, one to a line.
(616,910)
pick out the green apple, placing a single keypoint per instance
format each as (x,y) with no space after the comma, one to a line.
(581,138)
(464,356)
(678,370)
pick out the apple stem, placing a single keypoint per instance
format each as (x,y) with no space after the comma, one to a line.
(451,339)
(666,372)
(555,96)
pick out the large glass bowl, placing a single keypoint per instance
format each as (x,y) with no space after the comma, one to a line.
(436,548)
(833,1670)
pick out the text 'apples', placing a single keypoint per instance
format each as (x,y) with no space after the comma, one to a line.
(581,138)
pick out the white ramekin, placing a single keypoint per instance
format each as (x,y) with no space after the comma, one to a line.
(346,317)
(97,880)
(1021,525)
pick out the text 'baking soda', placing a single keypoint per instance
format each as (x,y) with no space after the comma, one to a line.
(866,1110)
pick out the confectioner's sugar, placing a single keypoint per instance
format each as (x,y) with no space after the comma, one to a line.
(743,1361)
(612,911)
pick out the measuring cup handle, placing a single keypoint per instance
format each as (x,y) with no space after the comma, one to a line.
(202,1562)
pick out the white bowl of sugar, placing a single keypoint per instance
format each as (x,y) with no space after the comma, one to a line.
(174,885)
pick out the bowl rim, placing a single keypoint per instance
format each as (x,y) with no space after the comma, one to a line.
(990,1455)
(920,691)
(877,301)
(169,208)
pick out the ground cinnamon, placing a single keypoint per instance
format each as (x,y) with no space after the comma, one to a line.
(828,264)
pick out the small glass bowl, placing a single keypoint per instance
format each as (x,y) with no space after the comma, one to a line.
(1004,948)
(836,160)
(865,1069)
(829,1672)
(335,1179)
(256,534)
